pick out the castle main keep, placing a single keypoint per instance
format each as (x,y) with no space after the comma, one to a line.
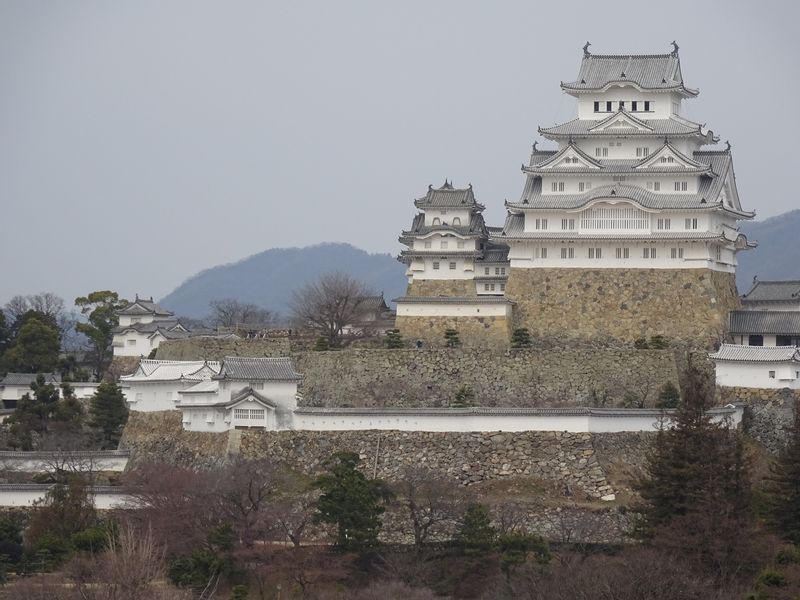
(626,228)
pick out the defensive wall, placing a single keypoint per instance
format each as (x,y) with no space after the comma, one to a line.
(561,376)
(624,304)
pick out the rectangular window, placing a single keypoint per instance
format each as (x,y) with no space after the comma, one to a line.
(435,265)
(452,266)
(485,287)
(567,224)
(622,104)
(541,223)
(486,271)
(676,108)
(241,414)
(635,106)
(642,152)
(664,223)
(691,223)
(557,186)
(497,270)
(257,413)
(608,106)
(491,287)
(718,253)
(568,253)
(427,244)
(601,152)
(543,253)
(649,252)
(502,287)
(596,106)
(443,245)
(647,105)
(681,186)
(772,374)
(131,342)
(502,270)
(656,186)
(595,252)
(623,253)
(618,178)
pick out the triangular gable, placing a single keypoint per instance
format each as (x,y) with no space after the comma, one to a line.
(673,159)
(577,159)
(205,370)
(728,194)
(621,121)
(178,327)
(247,395)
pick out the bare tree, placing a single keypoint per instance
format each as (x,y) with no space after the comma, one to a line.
(230,312)
(430,502)
(292,516)
(329,304)
(243,490)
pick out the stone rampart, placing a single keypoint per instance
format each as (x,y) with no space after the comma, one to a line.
(530,377)
(567,459)
(558,376)
(769,413)
(491,332)
(690,304)
(440,287)
(209,348)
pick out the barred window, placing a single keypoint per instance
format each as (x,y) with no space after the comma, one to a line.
(614,218)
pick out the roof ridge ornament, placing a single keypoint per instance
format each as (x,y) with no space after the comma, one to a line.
(534,145)
(674,49)
(586,49)
(727,146)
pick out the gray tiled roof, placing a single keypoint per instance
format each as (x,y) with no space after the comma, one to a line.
(735,352)
(373,303)
(648,71)
(144,307)
(773,291)
(29,378)
(152,327)
(448,197)
(476,226)
(498,410)
(495,253)
(515,229)
(452,300)
(673,126)
(248,391)
(614,167)
(786,322)
(246,368)
(708,193)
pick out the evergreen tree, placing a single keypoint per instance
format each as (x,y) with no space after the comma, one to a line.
(34,349)
(476,535)
(108,413)
(521,338)
(696,489)
(393,340)
(464,397)
(102,309)
(783,486)
(33,413)
(5,335)
(669,396)
(351,502)
(451,339)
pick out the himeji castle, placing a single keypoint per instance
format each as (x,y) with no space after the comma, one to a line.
(626,226)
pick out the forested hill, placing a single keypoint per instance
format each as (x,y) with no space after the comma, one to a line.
(268,278)
(778,252)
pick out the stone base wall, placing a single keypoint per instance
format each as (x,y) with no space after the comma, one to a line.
(585,376)
(566,458)
(477,332)
(769,413)
(440,287)
(201,348)
(160,437)
(625,304)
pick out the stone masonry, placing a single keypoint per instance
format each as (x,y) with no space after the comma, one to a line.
(442,287)
(476,332)
(690,304)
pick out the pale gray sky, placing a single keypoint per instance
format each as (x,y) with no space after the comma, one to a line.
(143,141)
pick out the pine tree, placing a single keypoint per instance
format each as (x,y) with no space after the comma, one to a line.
(783,486)
(521,338)
(451,339)
(109,413)
(351,502)
(669,396)
(476,535)
(393,340)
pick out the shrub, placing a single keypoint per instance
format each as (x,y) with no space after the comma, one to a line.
(476,535)
(464,397)
(788,556)
(669,396)
(658,342)
(640,343)
(322,344)
(451,338)
(521,338)
(393,339)
(771,578)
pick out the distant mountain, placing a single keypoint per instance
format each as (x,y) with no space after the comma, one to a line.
(778,252)
(268,278)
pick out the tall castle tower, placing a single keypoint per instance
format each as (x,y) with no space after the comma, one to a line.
(629,227)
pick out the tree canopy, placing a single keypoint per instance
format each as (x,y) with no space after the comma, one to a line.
(34,348)
(101,307)
(108,414)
